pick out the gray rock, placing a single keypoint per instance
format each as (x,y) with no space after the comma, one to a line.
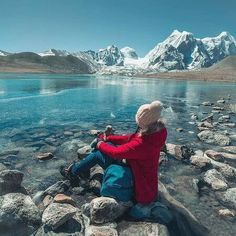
(200,162)
(229,198)
(143,229)
(56,214)
(18,214)
(10,181)
(228,172)
(214,138)
(104,209)
(58,187)
(215,179)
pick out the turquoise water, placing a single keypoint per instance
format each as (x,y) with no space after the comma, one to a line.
(40,113)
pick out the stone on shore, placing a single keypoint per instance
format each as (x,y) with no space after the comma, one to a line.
(62,198)
(93,230)
(56,214)
(216,156)
(143,229)
(104,209)
(215,179)
(200,162)
(18,212)
(210,137)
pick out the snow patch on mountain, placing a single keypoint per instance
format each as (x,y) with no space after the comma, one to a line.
(3,53)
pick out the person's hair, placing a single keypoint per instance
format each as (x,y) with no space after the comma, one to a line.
(160,124)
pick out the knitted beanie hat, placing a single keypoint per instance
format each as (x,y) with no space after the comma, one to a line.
(148,114)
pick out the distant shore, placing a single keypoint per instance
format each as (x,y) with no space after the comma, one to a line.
(223,76)
(195,75)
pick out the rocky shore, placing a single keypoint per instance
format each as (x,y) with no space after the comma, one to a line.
(197,184)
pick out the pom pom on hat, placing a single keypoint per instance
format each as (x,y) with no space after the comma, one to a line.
(148,114)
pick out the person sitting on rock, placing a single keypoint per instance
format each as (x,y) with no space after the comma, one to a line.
(141,150)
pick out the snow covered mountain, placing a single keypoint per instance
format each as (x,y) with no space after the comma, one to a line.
(3,53)
(110,56)
(54,52)
(181,50)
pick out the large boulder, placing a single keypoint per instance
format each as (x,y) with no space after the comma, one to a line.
(211,137)
(215,179)
(18,214)
(56,214)
(104,209)
(10,181)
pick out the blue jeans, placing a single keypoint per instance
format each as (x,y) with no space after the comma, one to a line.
(94,158)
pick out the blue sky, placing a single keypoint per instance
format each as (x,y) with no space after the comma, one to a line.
(36,25)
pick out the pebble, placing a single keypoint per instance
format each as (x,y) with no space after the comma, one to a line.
(62,198)
(45,156)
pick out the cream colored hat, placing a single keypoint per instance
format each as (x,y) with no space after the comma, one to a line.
(148,114)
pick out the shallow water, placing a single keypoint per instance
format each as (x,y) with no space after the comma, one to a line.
(36,110)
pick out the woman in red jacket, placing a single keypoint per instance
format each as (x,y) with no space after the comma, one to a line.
(141,151)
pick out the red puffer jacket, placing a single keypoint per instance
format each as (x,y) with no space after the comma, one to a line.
(142,154)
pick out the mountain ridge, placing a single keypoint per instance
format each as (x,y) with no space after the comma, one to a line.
(179,51)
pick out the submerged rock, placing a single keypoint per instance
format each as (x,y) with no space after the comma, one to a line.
(207,103)
(104,209)
(56,214)
(229,198)
(228,172)
(45,156)
(18,214)
(215,179)
(10,181)
(210,137)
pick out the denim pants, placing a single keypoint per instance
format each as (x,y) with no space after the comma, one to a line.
(94,158)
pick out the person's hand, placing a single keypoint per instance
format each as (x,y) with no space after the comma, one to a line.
(98,144)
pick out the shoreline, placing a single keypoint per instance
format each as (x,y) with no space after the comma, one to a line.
(206,76)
